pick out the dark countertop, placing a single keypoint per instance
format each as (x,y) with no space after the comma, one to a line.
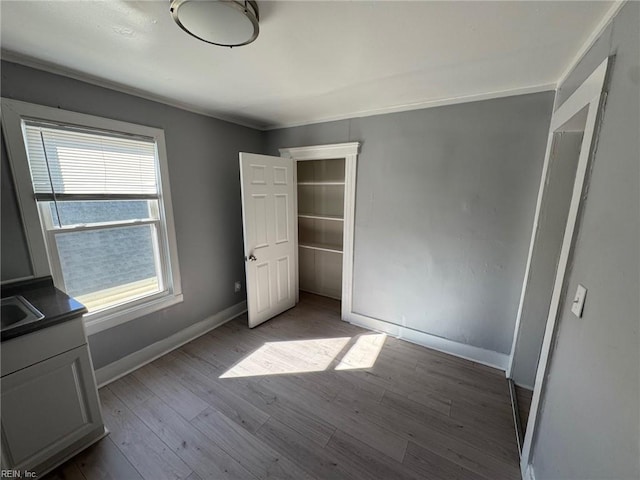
(55,305)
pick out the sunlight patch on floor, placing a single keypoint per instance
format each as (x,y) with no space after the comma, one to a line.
(295,356)
(300,356)
(363,353)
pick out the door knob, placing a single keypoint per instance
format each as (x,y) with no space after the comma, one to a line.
(251,258)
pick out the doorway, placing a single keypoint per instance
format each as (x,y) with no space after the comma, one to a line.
(542,267)
(297,213)
(570,147)
(320,185)
(325,177)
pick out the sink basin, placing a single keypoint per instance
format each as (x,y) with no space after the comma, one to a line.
(16,311)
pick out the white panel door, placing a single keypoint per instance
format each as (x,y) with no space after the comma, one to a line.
(270,242)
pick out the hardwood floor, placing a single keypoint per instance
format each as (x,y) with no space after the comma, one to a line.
(304,396)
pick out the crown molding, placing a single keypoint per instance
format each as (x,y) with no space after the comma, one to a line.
(591,39)
(422,105)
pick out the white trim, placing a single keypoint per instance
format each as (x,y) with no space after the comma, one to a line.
(165,204)
(582,97)
(13,112)
(124,366)
(348,151)
(348,242)
(117,87)
(589,95)
(297,252)
(17,153)
(572,105)
(462,350)
(476,97)
(591,39)
(321,152)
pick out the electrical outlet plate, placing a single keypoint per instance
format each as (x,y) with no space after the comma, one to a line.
(237,287)
(578,301)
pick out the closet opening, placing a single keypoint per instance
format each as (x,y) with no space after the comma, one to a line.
(320,189)
(325,181)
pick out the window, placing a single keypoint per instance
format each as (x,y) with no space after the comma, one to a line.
(100,197)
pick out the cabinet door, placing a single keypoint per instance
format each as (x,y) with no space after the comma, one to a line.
(47,407)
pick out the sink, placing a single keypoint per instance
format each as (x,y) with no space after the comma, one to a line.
(16,311)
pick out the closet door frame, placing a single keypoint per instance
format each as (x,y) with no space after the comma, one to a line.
(348,151)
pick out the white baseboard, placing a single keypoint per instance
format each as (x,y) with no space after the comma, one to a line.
(113,371)
(469,352)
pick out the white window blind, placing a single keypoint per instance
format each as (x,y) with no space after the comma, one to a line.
(65,162)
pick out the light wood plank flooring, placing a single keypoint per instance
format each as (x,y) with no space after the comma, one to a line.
(304,396)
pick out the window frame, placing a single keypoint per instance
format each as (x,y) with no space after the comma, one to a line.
(13,112)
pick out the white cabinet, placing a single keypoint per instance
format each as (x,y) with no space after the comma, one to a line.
(321,199)
(50,409)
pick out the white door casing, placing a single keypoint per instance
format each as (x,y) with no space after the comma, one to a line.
(590,96)
(348,151)
(270,241)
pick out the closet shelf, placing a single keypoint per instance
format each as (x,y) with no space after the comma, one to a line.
(325,247)
(338,218)
(320,183)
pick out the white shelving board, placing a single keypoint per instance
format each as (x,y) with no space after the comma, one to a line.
(325,247)
(321,217)
(320,184)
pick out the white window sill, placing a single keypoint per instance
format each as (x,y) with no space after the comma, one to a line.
(103,321)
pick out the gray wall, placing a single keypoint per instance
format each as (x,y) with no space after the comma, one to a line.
(205,186)
(546,251)
(590,422)
(444,207)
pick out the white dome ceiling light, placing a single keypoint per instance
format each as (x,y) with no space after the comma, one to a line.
(227,23)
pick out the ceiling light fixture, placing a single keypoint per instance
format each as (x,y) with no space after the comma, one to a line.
(227,23)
